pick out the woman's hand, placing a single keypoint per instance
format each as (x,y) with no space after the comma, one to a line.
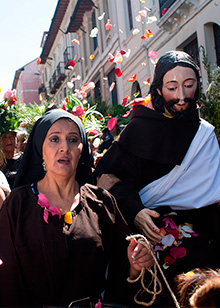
(139,257)
(146,226)
(107,181)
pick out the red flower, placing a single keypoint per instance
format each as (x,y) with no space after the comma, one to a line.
(118,72)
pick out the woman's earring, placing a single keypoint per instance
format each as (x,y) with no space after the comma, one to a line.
(44,166)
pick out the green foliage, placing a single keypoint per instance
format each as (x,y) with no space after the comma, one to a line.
(8,117)
(117,111)
(210,101)
(28,114)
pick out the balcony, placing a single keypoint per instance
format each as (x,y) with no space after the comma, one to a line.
(173,13)
(42,89)
(57,78)
(68,55)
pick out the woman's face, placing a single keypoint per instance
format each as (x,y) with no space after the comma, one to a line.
(180,83)
(8,142)
(62,148)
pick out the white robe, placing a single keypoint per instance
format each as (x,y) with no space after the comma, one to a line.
(193,184)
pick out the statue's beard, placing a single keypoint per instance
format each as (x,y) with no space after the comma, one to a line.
(182,113)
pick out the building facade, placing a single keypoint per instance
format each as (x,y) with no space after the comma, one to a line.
(26,83)
(135,28)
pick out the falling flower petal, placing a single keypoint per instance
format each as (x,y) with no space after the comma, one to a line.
(111,123)
(75,41)
(168,240)
(124,100)
(112,87)
(108,25)
(101,16)
(126,114)
(132,78)
(135,31)
(1,262)
(147,34)
(118,57)
(164,10)
(138,18)
(143,13)
(151,19)
(70,85)
(143,64)
(118,72)
(88,86)
(147,82)
(178,252)
(123,52)
(111,57)
(127,55)
(153,61)
(71,63)
(91,57)
(152,54)
(39,60)
(94,32)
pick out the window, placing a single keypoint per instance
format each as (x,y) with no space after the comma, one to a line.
(136,90)
(64,92)
(45,72)
(106,10)
(165,4)
(85,50)
(97,90)
(216,30)
(130,15)
(94,39)
(192,49)
(113,95)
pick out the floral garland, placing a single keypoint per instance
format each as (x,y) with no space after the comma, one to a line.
(44,203)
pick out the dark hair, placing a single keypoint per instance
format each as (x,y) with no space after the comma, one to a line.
(199,288)
(167,62)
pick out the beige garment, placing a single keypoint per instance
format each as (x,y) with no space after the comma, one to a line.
(4,184)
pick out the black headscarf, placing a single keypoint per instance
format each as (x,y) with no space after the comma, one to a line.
(31,169)
(167,62)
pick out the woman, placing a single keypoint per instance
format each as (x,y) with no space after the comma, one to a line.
(58,233)
(12,159)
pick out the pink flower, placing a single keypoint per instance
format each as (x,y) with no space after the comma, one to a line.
(111,123)
(44,203)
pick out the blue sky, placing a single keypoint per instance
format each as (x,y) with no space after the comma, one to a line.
(22,23)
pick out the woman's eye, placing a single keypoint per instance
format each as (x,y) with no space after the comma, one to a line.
(54,139)
(73,139)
